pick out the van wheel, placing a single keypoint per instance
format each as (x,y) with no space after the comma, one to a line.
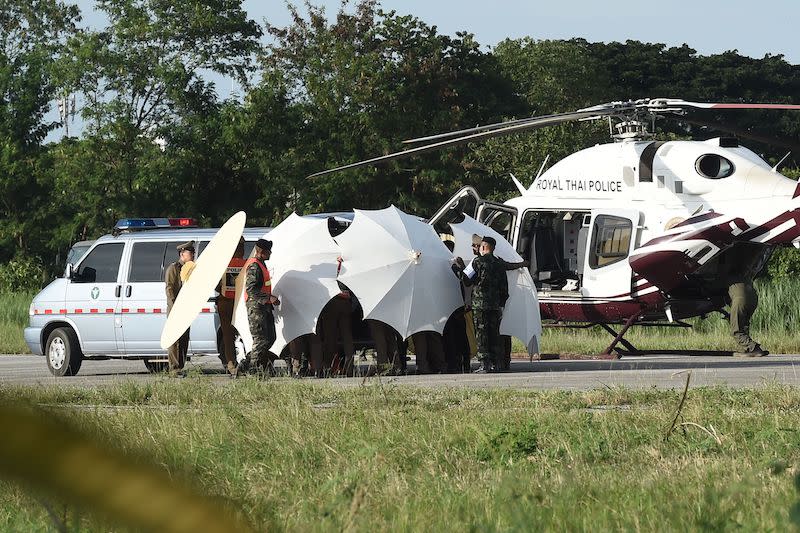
(156,367)
(63,352)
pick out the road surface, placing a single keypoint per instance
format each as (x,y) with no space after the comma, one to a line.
(660,371)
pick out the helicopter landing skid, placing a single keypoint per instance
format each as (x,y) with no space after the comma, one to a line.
(619,338)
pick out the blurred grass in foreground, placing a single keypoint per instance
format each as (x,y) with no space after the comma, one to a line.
(311,457)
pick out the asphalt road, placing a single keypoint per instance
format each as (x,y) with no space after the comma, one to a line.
(660,371)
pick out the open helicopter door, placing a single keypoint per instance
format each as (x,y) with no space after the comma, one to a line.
(612,235)
(499,217)
(466,200)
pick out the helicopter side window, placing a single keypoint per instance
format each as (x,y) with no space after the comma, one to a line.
(611,240)
(713,166)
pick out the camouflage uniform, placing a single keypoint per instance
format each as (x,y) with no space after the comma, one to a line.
(488,297)
(259,316)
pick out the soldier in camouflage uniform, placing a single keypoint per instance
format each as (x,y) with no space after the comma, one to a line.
(259,301)
(487,275)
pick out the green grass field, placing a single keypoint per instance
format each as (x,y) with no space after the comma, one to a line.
(312,457)
(13,319)
(775,325)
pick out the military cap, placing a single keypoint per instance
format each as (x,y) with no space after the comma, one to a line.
(186,246)
(264,244)
(490,241)
(476,239)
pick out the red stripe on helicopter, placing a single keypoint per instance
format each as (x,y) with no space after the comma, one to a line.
(754,106)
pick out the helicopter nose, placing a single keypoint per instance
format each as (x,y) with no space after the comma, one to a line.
(762,182)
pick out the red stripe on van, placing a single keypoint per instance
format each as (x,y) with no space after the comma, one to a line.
(125,310)
(206,310)
(48,311)
(78,311)
(109,310)
(157,311)
(140,310)
(93,310)
(62,311)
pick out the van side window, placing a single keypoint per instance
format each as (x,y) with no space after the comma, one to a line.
(101,265)
(147,262)
(611,240)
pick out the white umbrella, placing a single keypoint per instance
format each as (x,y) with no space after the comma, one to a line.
(521,316)
(400,270)
(303,273)
(206,274)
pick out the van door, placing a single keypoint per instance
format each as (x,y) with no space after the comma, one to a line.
(144,298)
(93,299)
(612,236)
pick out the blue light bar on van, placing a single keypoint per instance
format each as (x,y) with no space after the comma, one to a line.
(154,223)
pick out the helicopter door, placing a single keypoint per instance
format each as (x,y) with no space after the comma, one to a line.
(499,217)
(612,236)
(466,200)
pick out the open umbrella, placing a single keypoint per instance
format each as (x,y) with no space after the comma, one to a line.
(400,270)
(521,316)
(206,274)
(303,273)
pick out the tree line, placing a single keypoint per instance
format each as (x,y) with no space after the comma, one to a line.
(158,140)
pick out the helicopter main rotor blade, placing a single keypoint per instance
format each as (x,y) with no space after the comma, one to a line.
(663,103)
(745,134)
(476,129)
(525,125)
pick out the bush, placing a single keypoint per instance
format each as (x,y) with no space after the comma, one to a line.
(21,274)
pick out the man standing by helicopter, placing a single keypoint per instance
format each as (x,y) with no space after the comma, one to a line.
(738,267)
(487,273)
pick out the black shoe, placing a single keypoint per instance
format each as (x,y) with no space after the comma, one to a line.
(483,369)
(758,351)
(178,374)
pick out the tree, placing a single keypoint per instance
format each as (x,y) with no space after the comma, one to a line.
(139,73)
(364,83)
(32,42)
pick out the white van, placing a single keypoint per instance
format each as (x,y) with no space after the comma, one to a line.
(112,302)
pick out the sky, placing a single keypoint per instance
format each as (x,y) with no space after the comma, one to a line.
(754,28)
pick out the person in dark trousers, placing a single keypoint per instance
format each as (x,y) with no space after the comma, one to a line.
(259,301)
(499,348)
(738,267)
(387,352)
(225,301)
(172,280)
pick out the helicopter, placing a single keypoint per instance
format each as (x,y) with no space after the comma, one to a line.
(636,231)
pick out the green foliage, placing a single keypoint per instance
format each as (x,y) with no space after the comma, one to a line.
(784,263)
(21,274)
(158,141)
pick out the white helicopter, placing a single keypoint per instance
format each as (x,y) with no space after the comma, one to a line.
(634,231)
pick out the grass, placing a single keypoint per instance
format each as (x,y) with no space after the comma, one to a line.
(312,457)
(13,319)
(775,325)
